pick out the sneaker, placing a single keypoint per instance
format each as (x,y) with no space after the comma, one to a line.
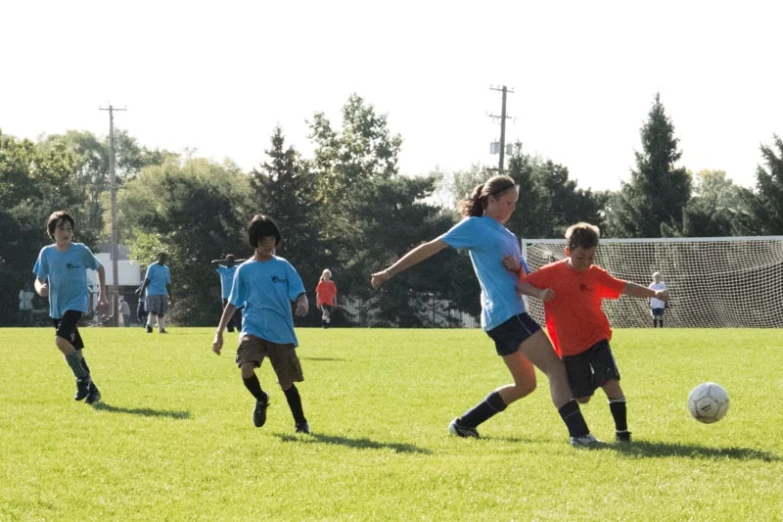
(622,436)
(149,329)
(259,412)
(163,331)
(302,427)
(585,441)
(94,396)
(462,431)
(82,388)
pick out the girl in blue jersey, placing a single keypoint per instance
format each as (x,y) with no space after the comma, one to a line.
(518,339)
(266,285)
(61,275)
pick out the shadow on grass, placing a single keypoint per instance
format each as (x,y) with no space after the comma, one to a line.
(321,359)
(663,449)
(144,412)
(362,443)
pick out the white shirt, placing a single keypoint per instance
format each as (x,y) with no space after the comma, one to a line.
(657,303)
(25,300)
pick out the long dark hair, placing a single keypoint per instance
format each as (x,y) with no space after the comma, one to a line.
(475,205)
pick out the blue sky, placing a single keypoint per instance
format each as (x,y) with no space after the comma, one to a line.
(217,77)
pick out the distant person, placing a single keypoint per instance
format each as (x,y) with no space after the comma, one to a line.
(125,311)
(226,268)
(157,284)
(266,285)
(61,275)
(518,339)
(26,295)
(657,306)
(572,291)
(326,297)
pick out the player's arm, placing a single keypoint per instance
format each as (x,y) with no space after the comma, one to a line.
(302,305)
(634,290)
(415,256)
(216,262)
(544,294)
(41,287)
(102,300)
(228,313)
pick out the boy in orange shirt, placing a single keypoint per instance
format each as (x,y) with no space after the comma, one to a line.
(572,291)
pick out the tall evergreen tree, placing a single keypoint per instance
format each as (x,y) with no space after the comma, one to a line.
(651,203)
(764,214)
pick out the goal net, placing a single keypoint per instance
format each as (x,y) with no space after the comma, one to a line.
(712,282)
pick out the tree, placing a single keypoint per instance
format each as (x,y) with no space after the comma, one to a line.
(195,212)
(764,212)
(287,192)
(651,203)
(711,210)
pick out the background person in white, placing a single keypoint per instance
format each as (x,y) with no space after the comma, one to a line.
(157,283)
(657,306)
(26,306)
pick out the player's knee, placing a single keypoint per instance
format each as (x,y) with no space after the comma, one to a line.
(583,400)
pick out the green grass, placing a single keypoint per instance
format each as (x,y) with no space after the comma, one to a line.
(174,440)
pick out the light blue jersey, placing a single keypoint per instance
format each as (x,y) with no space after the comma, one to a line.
(66,274)
(159,276)
(266,289)
(488,242)
(226,279)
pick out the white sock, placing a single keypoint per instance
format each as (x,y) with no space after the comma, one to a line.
(161,323)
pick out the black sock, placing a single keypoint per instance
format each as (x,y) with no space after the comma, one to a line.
(295,403)
(574,421)
(254,387)
(617,407)
(661,321)
(482,411)
(84,365)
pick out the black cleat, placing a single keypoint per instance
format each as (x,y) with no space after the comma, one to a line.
(259,412)
(149,329)
(82,388)
(302,427)
(622,436)
(462,431)
(93,396)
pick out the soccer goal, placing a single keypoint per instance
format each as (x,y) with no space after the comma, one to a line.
(724,282)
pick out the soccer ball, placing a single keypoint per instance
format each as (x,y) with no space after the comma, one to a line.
(708,402)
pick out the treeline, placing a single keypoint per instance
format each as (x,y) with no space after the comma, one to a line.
(348,208)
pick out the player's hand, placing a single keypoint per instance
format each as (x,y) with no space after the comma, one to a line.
(301,308)
(43,291)
(663,295)
(378,278)
(217,342)
(511,263)
(547,294)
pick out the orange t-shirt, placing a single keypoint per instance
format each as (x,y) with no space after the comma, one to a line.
(325,292)
(574,318)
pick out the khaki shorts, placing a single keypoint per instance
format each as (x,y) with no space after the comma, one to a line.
(282,356)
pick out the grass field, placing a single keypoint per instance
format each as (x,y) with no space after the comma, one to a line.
(173,438)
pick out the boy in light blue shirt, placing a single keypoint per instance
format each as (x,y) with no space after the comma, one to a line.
(61,275)
(266,285)
(157,283)
(226,268)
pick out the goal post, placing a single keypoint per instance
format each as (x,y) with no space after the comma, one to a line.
(717,282)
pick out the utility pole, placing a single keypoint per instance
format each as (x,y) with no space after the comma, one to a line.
(115,287)
(503,119)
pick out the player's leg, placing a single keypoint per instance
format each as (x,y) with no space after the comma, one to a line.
(607,376)
(250,355)
(289,370)
(69,343)
(579,374)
